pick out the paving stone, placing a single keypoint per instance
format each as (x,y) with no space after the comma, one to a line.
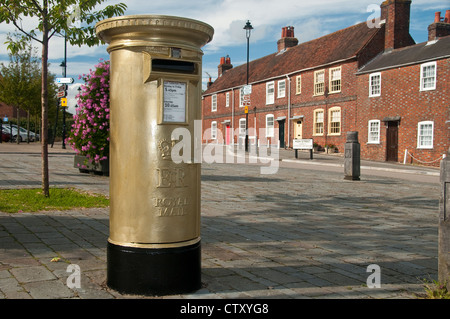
(31,274)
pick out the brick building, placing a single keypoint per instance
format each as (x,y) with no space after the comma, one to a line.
(10,112)
(320,90)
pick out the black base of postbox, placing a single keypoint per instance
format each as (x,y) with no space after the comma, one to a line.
(154,272)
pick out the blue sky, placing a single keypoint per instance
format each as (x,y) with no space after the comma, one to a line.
(311,19)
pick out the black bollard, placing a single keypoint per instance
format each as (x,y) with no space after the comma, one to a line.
(352,160)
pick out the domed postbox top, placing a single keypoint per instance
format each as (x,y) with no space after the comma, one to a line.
(157,30)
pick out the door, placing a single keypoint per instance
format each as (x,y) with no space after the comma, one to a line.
(298,130)
(227,134)
(281,133)
(392,142)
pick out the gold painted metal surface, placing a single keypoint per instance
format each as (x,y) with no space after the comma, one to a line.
(154,201)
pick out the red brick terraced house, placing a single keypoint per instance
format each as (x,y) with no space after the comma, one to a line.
(403,108)
(320,90)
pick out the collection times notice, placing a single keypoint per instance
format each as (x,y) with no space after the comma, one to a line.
(174,102)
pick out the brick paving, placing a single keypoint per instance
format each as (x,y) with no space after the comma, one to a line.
(304,232)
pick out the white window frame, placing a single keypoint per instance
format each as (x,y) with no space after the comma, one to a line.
(371,133)
(281,88)
(214,103)
(270,125)
(375,90)
(227,101)
(298,84)
(330,120)
(315,133)
(335,82)
(270,92)
(241,97)
(242,127)
(319,87)
(420,140)
(213,130)
(433,76)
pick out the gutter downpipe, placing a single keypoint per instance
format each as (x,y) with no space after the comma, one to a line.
(289,111)
(232,117)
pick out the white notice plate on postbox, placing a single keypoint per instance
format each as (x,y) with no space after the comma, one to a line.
(174,105)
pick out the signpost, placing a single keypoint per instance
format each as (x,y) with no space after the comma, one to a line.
(303,144)
(64,80)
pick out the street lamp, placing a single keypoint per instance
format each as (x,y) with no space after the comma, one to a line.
(63,65)
(248,30)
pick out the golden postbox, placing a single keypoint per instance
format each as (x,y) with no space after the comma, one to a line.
(156,72)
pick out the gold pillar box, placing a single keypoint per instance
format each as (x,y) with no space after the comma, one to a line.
(156,68)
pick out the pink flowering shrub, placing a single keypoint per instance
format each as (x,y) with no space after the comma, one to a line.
(90,132)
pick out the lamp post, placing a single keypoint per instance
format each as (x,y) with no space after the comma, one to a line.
(64,71)
(248,29)
(64,66)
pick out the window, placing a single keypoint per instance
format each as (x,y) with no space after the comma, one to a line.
(214,103)
(375,84)
(334,117)
(241,97)
(428,76)
(214,130)
(298,85)
(270,125)
(270,92)
(374,132)
(335,80)
(242,127)
(227,103)
(281,88)
(425,135)
(319,82)
(318,122)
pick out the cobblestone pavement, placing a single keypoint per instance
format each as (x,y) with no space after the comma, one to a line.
(303,232)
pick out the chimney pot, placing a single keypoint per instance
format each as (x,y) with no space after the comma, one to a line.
(222,60)
(447,16)
(437,17)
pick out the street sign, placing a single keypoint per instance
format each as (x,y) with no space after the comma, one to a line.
(303,144)
(5,119)
(64,80)
(246,110)
(64,102)
(62,94)
(62,88)
(247,89)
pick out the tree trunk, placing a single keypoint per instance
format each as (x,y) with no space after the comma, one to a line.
(28,127)
(44,133)
(18,126)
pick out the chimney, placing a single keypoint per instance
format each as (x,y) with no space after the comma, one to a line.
(287,40)
(210,82)
(396,13)
(440,27)
(225,65)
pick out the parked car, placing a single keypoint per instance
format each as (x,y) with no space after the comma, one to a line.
(6,136)
(23,137)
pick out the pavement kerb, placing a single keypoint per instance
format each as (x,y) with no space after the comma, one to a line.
(371,166)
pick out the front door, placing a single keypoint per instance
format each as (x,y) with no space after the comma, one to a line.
(392,142)
(298,130)
(281,133)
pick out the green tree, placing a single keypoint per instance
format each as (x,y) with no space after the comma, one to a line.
(20,81)
(54,17)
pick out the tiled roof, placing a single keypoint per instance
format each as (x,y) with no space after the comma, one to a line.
(340,45)
(415,54)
